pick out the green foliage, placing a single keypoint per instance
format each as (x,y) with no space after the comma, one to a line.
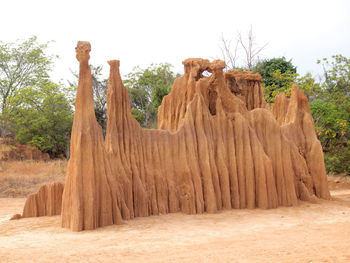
(33,108)
(100,87)
(41,116)
(282,83)
(329,102)
(330,122)
(138,115)
(22,64)
(146,88)
(337,160)
(268,66)
(337,75)
(278,76)
(331,112)
(308,85)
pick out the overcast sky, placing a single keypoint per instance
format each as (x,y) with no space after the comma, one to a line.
(142,32)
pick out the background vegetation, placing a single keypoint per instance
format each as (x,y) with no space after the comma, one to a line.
(329,99)
(37,111)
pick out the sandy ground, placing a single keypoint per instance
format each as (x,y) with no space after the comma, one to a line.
(310,232)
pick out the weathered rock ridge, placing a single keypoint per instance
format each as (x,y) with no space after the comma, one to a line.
(218,146)
(46,202)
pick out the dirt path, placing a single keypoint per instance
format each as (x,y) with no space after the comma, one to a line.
(318,232)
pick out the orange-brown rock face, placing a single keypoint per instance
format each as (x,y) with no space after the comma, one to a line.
(90,194)
(46,202)
(11,150)
(218,146)
(246,85)
(297,125)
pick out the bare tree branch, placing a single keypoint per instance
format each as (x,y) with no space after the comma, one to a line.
(229,57)
(250,49)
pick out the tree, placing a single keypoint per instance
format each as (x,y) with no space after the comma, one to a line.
(329,102)
(309,86)
(332,128)
(335,87)
(249,47)
(41,116)
(278,76)
(22,64)
(99,87)
(331,112)
(336,76)
(229,54)
(251,50)
(146,88)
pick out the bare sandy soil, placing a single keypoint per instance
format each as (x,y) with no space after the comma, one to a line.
(310,232)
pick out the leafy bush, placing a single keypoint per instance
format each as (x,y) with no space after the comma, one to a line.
(41,116)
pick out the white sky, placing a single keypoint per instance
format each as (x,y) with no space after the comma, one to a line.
(142,32)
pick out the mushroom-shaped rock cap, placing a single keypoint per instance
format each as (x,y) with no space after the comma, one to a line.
(83,51)
(217,65)
(114,63)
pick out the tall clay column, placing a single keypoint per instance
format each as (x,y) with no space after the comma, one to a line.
(89,198)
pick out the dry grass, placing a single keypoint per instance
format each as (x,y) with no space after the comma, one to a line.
(20,178)
(338,181)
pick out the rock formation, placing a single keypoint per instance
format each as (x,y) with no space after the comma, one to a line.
(297,125)
(11,150)
(90,197)
(16,217)
(46,202)
(218,146)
